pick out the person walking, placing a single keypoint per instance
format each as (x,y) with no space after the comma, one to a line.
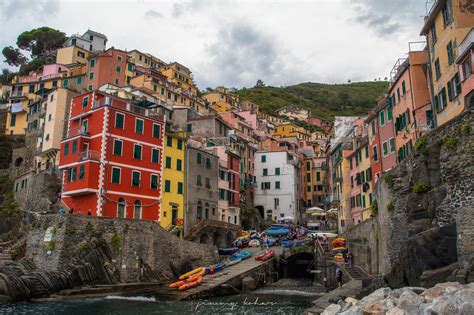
(350,259)
(339,277)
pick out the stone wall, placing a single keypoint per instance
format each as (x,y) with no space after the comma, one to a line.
(425,219)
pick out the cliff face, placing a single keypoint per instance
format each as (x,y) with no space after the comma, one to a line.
(424,230)
(88,251)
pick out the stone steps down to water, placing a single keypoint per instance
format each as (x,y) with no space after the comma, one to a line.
(444,298)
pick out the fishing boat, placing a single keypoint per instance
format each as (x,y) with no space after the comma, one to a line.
(242,255)
(191,273)
(265,255)
(228,251)
(196,281)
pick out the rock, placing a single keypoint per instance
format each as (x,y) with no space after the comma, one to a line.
(443,305)
(441,289)
(382,292)
(409,301)
(249,283)
(5,299)
(373,309)
(432,277)
(397,311)
(370,299)
(351,301)
(354,310)
(332,309)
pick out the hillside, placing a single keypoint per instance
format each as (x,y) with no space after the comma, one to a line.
(324,100)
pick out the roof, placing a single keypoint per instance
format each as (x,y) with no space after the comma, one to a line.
(89,31)
(431,16)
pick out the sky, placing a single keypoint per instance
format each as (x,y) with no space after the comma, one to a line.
(235,43)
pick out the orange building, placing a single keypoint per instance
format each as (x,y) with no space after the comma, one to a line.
(106,67)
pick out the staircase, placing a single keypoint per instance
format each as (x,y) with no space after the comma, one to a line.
(5,257)
(354,272)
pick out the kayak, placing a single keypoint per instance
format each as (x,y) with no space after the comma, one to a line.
(214,268)
(192,284)
(193,278)
(339,248)
(272,232)
(245,234)
(289,244)
(177,284)
(242,255)
(189,274)
(265,255)
(228,251)
(254,243)
(231,261)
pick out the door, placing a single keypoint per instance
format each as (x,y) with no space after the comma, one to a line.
(174,215)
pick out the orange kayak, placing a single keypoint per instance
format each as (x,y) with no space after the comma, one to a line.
(177,284)
(196,281)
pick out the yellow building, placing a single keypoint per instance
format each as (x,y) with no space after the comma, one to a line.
(222,99)
(366,179)
(173,185)
(445,27)
(180,75)
(344,186)
(72,54)
(288,129)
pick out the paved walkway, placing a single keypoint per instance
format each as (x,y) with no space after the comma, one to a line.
(349,289)
(211,282)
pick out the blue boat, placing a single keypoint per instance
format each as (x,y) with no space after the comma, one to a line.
(280,231)
(289,244)
(228,251)
(214,268)
(241,255)
(270,241)
(276,226)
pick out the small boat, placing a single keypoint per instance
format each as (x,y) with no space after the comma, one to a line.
(197,281)
(295,243)
(273,232)
(214,268)
(245,234)
(254,243)
(265,255)
(177,284)
(234,261)
(190,273)
(228,251)
(242,255)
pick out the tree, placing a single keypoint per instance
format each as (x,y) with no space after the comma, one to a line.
(6,76)
(42,42)
(13,56)
(259,84)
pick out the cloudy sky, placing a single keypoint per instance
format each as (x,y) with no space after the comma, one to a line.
(234,43)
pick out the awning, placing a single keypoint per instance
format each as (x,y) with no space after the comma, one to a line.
(16,108)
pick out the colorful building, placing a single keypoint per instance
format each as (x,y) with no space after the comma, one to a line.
(112,158)
(106,67)
(90,40)
(446,25)
(173,183)
(465,62)
(181,76)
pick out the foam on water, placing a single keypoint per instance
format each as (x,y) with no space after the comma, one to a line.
(131,298)
(287,292)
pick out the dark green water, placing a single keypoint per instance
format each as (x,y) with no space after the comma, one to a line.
(263,301)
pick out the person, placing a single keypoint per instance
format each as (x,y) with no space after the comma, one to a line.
(339,277)
(89,212)
(350,258)
(261,243)
(61,211)
(71,211)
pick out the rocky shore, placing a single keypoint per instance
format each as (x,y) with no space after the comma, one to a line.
(444,298)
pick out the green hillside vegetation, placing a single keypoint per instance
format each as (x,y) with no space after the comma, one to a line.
(324,100)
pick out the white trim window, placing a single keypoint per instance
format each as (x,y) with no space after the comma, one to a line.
(119,123)
(385,148)
(136,178)
(139,125)
(116,175)
(118,147)
(154,180)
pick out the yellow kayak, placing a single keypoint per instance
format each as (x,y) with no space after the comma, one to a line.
(191,273)
(244,235)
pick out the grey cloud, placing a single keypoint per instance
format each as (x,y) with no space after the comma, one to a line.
(242,54)
(180,8)
(11,9)
(152,14)
(388,17)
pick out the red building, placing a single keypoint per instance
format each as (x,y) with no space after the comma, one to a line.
(106,67)
(112,158)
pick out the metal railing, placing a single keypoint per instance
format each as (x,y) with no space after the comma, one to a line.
(88,155)
(75,131)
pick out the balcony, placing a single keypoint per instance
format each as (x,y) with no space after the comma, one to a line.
(88,155)
(76,131)
(18,95)
(465,45)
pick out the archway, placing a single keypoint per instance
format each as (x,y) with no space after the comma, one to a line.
(137,209)
(121,204)
(299,264)
(18,162)
(261,210)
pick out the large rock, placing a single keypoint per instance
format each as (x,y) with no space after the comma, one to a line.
(332,309)
(249,283)
(409,301)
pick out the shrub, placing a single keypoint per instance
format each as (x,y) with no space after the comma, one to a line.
(450,143)
(89,228)
(82,246)
(45,225)
(374,208)
(116,242)
(421,145)
(389,181)
(466,128)
(50,245)
(390,206)
(421,188)
(71,230)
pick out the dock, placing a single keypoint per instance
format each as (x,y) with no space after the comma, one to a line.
(228,279)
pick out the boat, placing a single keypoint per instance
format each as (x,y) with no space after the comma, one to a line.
(197,281)
(228,251)
(265,255)
(254,243)
(245,234)
(289,244)
(339,242)
(190,273)
(234,261)
(214,268)
(177,284)
(242,255)
(270,241)
(279,231)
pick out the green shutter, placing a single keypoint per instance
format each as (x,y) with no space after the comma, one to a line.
(180,188)
(136,179)
(139,126)
(116,175)
(167,186)
(156,131)
(277,185)
(168,162)
(117,147)
(179,164)
(119,121)
(155,155)
(277,171)
(263,158)
(154,182)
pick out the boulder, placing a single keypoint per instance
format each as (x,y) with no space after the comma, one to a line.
(373,309)
(249,283)
(382,292)
(354,310)
(409,301)
(441,289)
(350,300)
(332,309)
(397,311)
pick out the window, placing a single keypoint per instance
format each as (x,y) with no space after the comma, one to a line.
(392,145)
(137,209)
(449,48)
(277,185)
(198,181)
(466,68)
(117,81)
(199,158)
(454,87)
(276,202)
(55,84)
(130,67)
(65,82)
(119,58)
(168,162)
(433,35)
(137,152)
(91,76)
(265,185)
(118,69)
(404,88)
(79,80)
(385,148)
(308,177)
(389,113)
(318,176)
(135,178)
(117,147)
(74,147)
(440,100)
(154,181)
(73,174)
(155,155)
(92,63)
(169,141)
(180,188)
(119,120)
(189,128)
(263,158)
(382,118)
(90,87)
(180,144)
(179,164)
(139,125)
(398,94)
(115,175)
(437,68)
(208,183)
(208,163)
(277,171)
(447,13)
(265,172)
(66,149)
(85,100)
(85,125)
(167,186)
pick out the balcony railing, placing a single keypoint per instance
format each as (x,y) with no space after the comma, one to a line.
(88,155)
(76,131)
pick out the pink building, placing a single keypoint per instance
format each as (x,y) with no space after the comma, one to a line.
(385,148)
(466,64)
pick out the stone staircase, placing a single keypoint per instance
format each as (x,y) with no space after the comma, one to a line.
(354,273)
(5,257)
